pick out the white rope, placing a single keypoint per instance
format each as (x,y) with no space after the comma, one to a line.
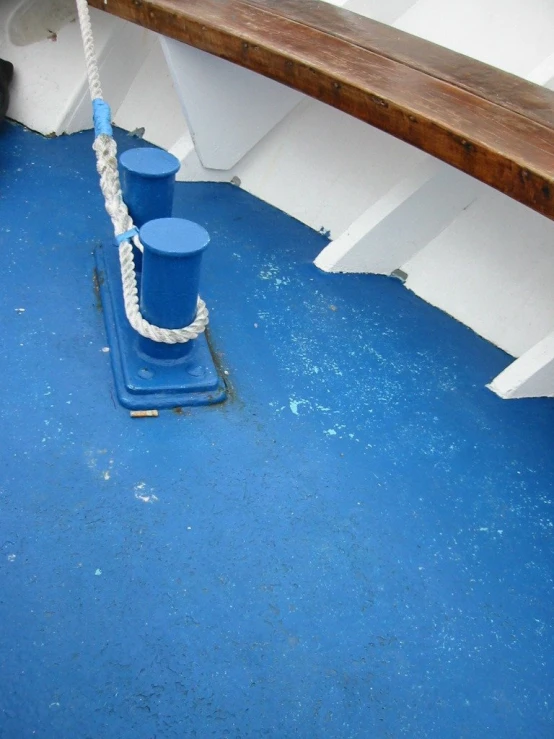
(106,163)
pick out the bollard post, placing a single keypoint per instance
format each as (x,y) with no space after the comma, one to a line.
(151,375)
(172,258)
(148,186)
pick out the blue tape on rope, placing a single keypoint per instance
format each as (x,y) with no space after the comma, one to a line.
(127,236)
(102,116)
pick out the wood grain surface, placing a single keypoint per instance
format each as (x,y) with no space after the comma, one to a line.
(492,125)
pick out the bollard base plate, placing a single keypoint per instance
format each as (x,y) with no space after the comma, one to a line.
(143,382)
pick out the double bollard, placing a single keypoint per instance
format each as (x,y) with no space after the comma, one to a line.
(149,374)
(169,268)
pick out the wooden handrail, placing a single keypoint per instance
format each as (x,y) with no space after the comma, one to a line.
(492,125)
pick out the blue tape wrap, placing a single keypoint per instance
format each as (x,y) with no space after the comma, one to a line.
(102,116)
(127,236)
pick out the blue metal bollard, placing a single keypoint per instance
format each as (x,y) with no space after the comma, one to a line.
(148,185)
(150,374)
(172,258)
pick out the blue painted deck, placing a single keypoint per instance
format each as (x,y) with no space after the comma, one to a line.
(359,544)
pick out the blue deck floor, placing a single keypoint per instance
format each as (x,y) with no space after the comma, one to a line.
(358,544)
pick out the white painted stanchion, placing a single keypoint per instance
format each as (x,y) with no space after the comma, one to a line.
(530,376)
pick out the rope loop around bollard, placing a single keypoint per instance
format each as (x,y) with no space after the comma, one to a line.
(125,231)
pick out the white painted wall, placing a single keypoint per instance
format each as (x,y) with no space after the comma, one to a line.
(493,268)
(324,167)
(50,92)
(385,11)
(514,35)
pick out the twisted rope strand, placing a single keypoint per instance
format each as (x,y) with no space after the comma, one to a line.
(105,149)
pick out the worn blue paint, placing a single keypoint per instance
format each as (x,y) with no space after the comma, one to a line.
(358,544)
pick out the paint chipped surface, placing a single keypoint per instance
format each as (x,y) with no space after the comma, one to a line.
(295,405)
(147,498)
(258,574)
(144,493)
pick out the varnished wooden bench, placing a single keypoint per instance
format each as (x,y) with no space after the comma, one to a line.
(487,123)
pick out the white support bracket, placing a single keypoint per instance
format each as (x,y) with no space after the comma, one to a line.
(402,222)
(530,376)
(229,109)
(192,169)
(544,73)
